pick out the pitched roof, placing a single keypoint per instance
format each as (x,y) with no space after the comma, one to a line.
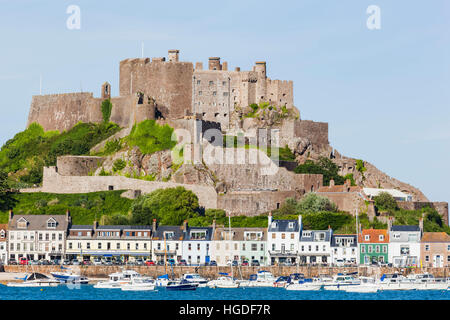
(338,236)
(312,234)
(405,228)
(177,230)
(339,188)
(39,222)
(208,230)
(374,236)
(238,233)
(283,226)
(435,237)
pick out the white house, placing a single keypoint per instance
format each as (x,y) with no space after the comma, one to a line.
(405,244)
(197,244)
(3,243)
(344,249)
(283,240)
(167,243)
(315,246)
(37,236)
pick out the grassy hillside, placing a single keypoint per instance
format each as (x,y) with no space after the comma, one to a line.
(84,208)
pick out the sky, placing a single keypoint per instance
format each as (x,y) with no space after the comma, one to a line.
(384,92)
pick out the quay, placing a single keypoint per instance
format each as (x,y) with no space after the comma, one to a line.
(102,272)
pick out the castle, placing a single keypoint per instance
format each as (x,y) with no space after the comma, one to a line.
(195,98)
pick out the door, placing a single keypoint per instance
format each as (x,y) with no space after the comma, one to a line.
(437,261)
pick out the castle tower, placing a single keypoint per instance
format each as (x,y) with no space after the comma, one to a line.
(106,91)
(260,67)
(214,63)
(174,55)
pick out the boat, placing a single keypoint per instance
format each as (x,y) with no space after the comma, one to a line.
(181,285)
(340,281)
(139,284)
(117,279)
(163,280)
(282,281)
(69,277)
(262,279)
(311,284)
(195,278)
(34,280)
(366,285)
(395,281)
(224,281)
(427,281)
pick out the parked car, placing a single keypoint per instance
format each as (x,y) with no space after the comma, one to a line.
(33,262)
(12,262)
(213,263)
(66,262)
(107,261)
(149,263)
(171,262)
(75,262)
(55,262)
(182,262)
(160,263)
(23,261)
(139,262)
(244,263)
(97,262)
(87,262)
(339,263)
(255,263)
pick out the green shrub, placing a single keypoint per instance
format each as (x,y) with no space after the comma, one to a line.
(150,137)
(385,201)
(118,165)
(106,110)
(323,166)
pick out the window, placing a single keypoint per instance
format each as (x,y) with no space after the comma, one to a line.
(198,246)
(381,237)
(254,247)
(214,93)
(199,93)
(367,237)
(128,246)
(292,247)
(448,258)
(225,94)
(159,246)
(99,245)
(427,247)
(384,249)
(53,236)
(317,248)
(370,249)
(60,237)
(137,246)
(404,250)
(47,237)
(88,245)
(211,83)
(291,225)
(427,258)
(243,246)
(118,245)
(198,81)
(309,248)
(292,236)
(273,235)
(189,246)
(377,249)
(262,247)
(303,248)
(273,246)
(283,236)
(176,246)
(363,249)
(70,245)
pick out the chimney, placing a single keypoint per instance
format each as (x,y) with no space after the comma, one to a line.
(185,225)
(214,224)
(67,216)
(332,183)
(154,226)
(95,225)
(300,222)
(11,215)
(421,225)
(237,69)
(225,66)
(270,219)
(389,223)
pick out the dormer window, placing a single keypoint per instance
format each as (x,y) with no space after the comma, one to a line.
(396,235)
(291,225)
(306,234)
(2,234)
(320,236)
(367,237)
(169,235)
(274,224)
(51,223)
(381,237)
(22,223)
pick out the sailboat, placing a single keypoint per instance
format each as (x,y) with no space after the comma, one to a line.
(225,281)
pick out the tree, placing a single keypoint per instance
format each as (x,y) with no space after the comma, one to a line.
(7,200)
(312,202)
(385,201)
(323,166)
(170,206)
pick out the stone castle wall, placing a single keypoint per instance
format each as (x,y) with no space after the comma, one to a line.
(78,165)
(53,182)
(440,207)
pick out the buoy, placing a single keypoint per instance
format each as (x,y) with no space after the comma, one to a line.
(42,289)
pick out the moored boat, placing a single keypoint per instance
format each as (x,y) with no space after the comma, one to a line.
(117,279)
(181,285)
(366,285)
(139,284)
(341,281)
(35,280)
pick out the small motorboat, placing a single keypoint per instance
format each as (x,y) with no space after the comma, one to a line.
(282,281)
(69,277)
(224,282)
(396,281)
(163,280)
(341,281)
(139,284)
(304,285)
(35,280)
(262,279)
(427,281)
(181,285)
(195,278)
(116,280)
(366,285)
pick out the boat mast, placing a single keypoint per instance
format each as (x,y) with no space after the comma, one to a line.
(165,253)
(229,238)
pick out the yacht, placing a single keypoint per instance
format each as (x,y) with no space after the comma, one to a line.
(427,281)
(195,278)
(396,281)
(262,279)
(116,280)
(341,281)
(181,285)
(139,284)
(366,285)
(282,281)
(305,285)
(34,280)
(69,277)
(224,282)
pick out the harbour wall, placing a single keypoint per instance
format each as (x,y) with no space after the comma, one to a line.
(213,272)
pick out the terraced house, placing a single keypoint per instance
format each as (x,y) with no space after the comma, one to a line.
(344,249)
(315,246)
(242,244)
(435,250)
(373,246)
(3,243)
(404,244)
(167,242)
(37,237)
(283,240)
(197,244)
(125,243)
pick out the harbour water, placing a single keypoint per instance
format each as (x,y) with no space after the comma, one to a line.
(88,292)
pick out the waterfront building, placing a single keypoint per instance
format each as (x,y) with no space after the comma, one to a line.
(126,243)
(283,240)
(243,244)
(435,250)
(315,246)
(344,249)
(373,246)
(197,244)
(37,237)
(167,242)
(404,244)
(3,243)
